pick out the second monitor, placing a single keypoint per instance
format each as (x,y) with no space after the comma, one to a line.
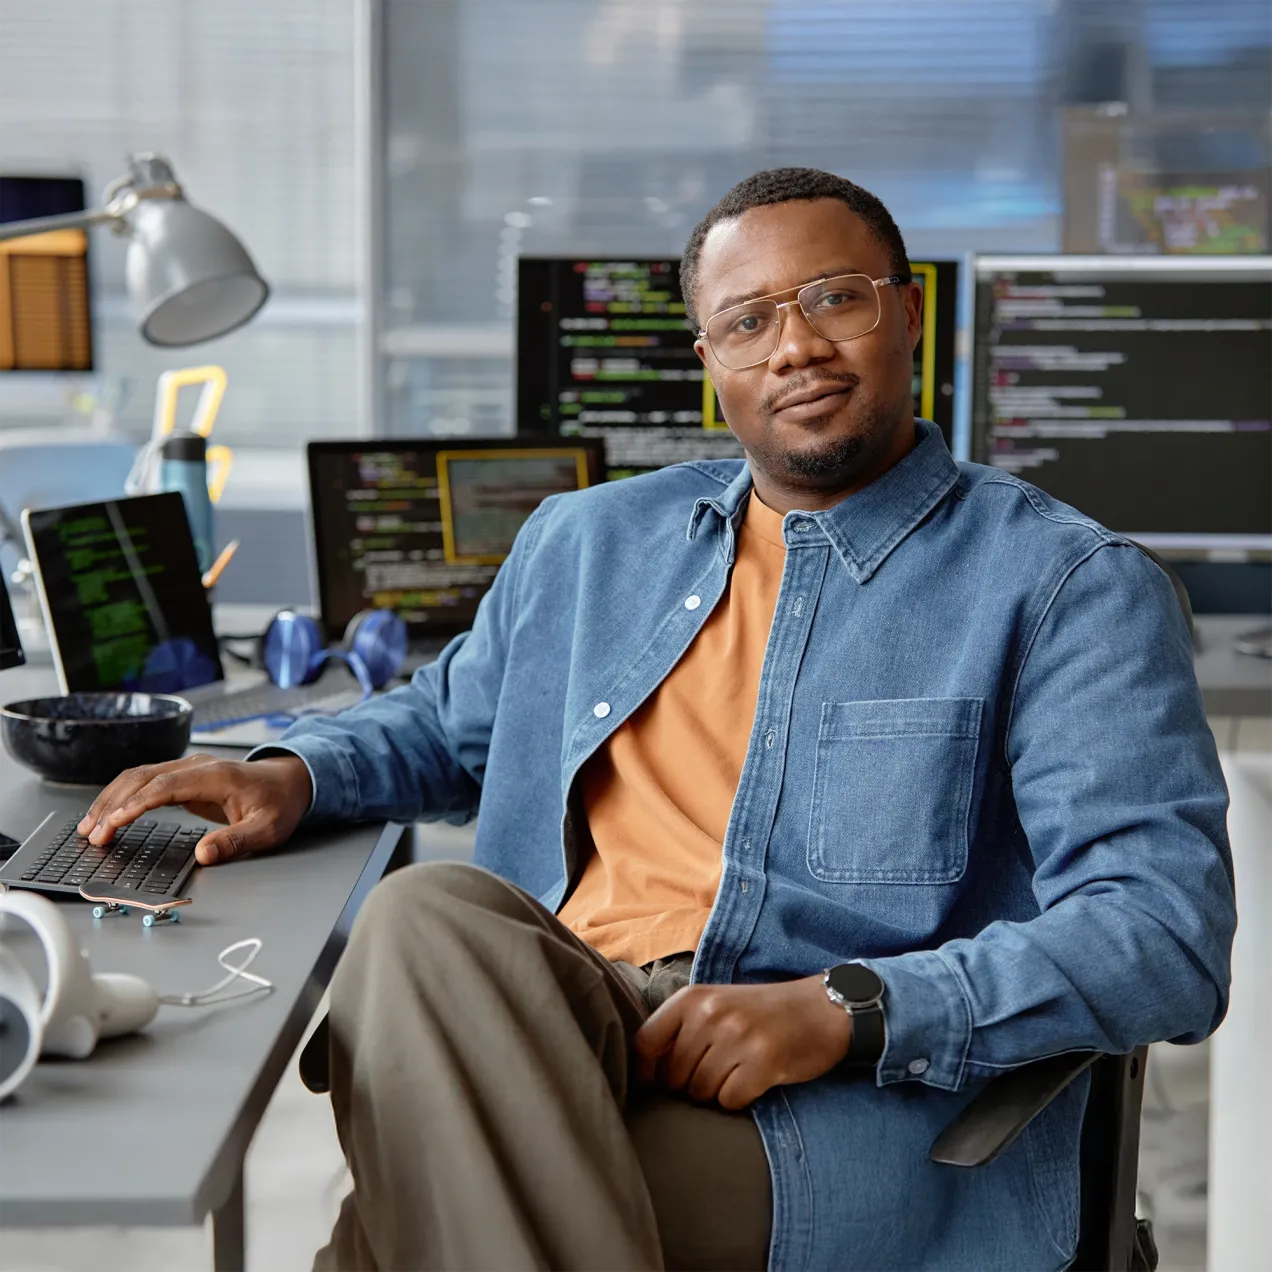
(603,350)
(1138,389)
(420,526)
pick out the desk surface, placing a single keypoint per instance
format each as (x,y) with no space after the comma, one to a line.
(152,1129)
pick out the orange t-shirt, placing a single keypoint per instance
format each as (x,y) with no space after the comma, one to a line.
(658,794)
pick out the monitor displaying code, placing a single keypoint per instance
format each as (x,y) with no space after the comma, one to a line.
(604,351)
(44,290)
(487,496)
(421,527)
(123,594)
(1138,392)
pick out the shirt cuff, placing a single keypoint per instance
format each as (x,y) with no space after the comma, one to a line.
(333,784)
(928,1021)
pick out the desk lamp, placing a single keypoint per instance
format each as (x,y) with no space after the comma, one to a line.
(188,277)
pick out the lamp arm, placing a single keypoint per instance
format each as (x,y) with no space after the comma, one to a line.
(68,221)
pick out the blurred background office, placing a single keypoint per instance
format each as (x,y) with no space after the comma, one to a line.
(387,162)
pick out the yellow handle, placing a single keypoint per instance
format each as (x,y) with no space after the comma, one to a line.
(213,380)
(220,459)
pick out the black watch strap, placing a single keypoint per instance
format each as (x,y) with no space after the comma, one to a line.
(860,992)
(867,1042)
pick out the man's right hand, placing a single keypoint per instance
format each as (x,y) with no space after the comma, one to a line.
(261,802)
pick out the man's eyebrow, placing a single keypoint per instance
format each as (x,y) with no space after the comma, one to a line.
(729,301)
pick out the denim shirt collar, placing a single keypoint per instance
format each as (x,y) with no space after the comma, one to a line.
(864,528)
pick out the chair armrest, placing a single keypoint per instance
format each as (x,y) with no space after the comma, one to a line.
(313,1062)
(1007,1104)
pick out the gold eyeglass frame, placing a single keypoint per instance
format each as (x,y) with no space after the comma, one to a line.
(892,280)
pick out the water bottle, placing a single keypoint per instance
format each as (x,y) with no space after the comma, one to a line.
(183,466)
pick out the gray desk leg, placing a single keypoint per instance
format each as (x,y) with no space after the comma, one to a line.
(229,1252)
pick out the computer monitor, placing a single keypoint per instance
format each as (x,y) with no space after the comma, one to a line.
(1137,389)
(603,350)
(421,526)
(11,654)
(45,322)
(122,596)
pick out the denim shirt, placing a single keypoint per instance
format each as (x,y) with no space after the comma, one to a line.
(979,764)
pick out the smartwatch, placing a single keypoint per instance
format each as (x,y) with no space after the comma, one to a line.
(859,992)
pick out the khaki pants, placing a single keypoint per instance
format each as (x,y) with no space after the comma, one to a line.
(483,1094)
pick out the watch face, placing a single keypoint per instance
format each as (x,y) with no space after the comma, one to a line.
(856,984)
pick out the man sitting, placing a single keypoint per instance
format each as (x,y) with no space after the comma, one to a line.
(815,789)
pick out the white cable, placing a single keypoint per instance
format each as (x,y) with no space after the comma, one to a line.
(206,997)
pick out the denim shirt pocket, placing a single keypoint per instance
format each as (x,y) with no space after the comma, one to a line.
(892,788)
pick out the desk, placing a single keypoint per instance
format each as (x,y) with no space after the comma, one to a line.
(152,1129)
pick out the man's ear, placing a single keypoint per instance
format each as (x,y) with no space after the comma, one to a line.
(700,348)
(914,313)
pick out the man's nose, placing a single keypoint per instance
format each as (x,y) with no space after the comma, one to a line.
(799,344)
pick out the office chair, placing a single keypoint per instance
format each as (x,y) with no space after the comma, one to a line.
(1110,1237)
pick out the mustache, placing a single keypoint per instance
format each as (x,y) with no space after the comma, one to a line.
(774,401)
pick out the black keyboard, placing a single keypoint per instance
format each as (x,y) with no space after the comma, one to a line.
(149,857)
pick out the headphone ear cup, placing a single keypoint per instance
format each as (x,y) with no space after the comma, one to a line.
(378,639)
(291,649)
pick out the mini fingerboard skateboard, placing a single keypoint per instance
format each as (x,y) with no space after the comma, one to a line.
(108,900)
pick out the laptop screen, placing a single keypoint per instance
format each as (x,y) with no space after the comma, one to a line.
(421,527)
(122,595)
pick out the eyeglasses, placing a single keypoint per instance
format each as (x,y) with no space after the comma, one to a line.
(838,309)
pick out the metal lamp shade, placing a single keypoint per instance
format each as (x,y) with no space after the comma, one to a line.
(189,278)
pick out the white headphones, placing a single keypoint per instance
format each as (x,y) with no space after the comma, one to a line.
(79,1007)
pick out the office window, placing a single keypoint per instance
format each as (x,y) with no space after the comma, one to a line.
(253,103)
(609,126)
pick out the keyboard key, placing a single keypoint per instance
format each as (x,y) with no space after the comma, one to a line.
(174,858)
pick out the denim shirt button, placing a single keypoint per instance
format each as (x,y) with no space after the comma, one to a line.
(601,710)
(802,526)
(917,1066)
(692,602)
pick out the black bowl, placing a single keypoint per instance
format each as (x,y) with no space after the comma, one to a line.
(90,738)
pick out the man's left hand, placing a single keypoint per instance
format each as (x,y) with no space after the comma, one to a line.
(731,1043)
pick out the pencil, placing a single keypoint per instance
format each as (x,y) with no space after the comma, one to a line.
(213,571)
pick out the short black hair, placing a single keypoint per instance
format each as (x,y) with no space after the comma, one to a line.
(784,185)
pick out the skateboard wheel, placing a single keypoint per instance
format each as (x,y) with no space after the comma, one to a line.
(148,920)
(99,912)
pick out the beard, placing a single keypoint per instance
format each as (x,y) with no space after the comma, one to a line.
(832,462)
